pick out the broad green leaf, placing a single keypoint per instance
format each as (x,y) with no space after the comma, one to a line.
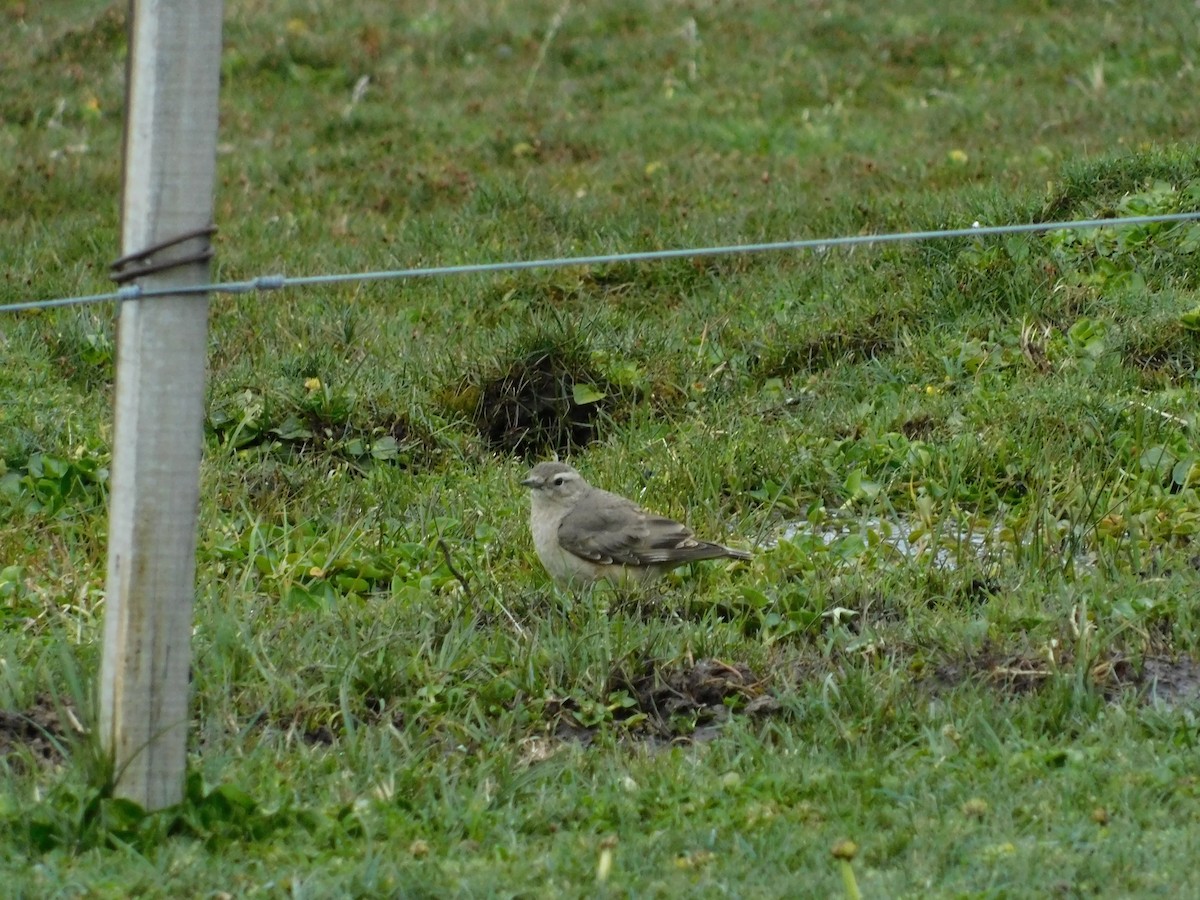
(583,394)
(1191,319)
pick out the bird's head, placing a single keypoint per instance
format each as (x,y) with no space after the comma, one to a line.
(555,482)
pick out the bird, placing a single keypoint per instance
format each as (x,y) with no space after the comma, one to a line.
(584,535)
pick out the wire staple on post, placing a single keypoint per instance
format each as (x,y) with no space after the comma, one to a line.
(141,262)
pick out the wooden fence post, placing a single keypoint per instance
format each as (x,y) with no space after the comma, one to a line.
(169,174)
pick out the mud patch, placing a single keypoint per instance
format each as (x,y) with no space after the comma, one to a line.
(667,705)
(1020,673)
(1170,682)
(39,734)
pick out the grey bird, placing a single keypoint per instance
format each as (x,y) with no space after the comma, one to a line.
(583,534)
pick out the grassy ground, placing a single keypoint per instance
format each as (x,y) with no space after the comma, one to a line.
(391,699)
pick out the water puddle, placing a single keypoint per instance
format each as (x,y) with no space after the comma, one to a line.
(944,545)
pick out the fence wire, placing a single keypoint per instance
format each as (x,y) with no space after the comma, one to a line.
(278,282)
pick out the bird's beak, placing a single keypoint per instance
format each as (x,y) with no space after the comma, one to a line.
(532,482)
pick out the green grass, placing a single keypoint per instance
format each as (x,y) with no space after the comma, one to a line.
(390,698)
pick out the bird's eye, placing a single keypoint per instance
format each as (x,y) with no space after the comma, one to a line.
(558,481)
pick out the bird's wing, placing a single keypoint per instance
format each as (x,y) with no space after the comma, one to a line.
(610,529)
